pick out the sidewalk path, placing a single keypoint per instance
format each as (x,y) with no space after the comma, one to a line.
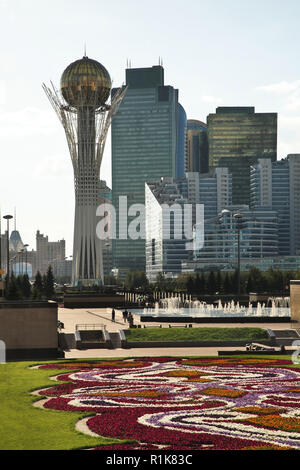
(102,316)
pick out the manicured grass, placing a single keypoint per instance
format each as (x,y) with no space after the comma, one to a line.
(196,334)
(24,427)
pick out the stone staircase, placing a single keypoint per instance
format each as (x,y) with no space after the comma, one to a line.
(115,340)
(286,337)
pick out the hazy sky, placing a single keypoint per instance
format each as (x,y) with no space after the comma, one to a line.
(233,53)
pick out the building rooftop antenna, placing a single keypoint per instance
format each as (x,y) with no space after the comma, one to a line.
(85,50)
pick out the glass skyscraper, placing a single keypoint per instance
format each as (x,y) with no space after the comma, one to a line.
(165,234)
(181,142)
(212,192)
(144,147)
(197,146)
(237,138)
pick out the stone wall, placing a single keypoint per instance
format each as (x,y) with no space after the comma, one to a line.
(295,302)
(29,329)
(93,301)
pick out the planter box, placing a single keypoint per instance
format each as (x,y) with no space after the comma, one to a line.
(188,344)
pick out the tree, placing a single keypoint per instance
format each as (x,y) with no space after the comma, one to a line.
(49,284)
(249,285)
(135,279)
(256,279)
(198,284)
(219,282)
(38,282)
(226,284)
(26,287)
(190,285)
(13,290)
(161,282)
(211,283)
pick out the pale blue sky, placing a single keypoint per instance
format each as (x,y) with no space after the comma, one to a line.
(229,53)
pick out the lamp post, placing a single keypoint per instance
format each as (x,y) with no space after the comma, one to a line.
(25,249)
(7,217)
(238,218)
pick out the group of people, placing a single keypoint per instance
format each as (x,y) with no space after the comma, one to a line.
(127,317)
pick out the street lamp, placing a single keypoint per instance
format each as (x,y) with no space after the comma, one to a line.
(25,249)
(238,218)
(7,217)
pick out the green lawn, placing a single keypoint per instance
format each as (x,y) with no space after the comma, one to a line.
(196,334)
(24,427)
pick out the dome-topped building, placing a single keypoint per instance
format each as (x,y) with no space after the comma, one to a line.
(85,82)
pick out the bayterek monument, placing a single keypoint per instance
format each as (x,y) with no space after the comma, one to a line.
(81,105)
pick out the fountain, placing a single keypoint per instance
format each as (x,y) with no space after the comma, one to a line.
(184,308)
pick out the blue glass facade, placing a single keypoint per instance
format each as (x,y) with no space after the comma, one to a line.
(144,148)
(258,235)
(181,142)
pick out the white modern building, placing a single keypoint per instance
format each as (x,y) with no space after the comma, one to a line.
(277,185)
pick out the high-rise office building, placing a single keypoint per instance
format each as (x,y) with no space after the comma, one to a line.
(258,235)
(294,164)
(144,139)
(165,233)
(197,146)
(181,156)
(237,138)
(166,254)
(277,185)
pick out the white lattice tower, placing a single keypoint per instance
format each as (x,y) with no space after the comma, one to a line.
(86,130)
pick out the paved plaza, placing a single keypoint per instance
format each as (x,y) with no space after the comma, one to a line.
(102,316)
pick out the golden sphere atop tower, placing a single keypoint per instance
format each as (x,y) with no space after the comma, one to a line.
(85,82)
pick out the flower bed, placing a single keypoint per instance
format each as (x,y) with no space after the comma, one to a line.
(173,403)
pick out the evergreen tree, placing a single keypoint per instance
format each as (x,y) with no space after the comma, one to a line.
(38,282)
(234,282)
(49,284)
(13,290)
(211,283)
(249,285)
(226,284)
(26,287)
(190,285)
(219,282)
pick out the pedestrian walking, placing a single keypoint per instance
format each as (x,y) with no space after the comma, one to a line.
(125,316)
(130,320)
(113,315)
